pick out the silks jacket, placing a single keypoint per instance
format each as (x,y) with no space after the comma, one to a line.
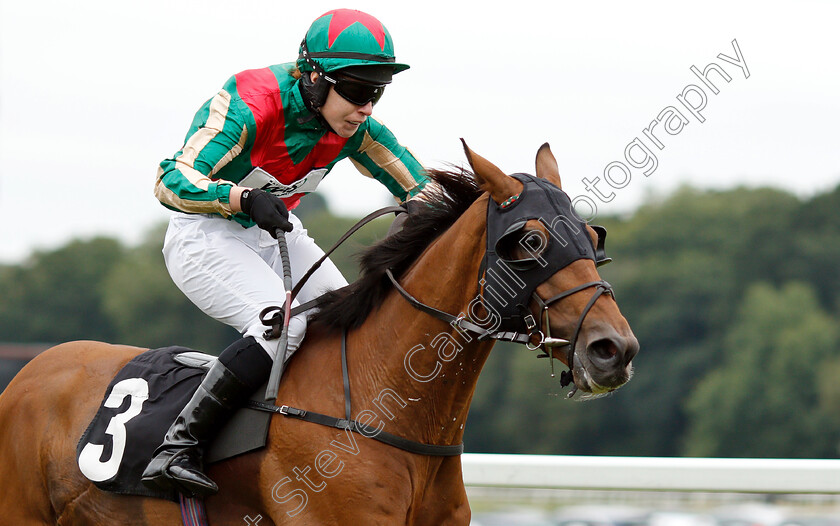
(259,119)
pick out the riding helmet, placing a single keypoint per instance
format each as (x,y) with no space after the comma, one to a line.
(347,38)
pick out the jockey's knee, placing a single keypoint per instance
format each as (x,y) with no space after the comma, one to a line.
(297,330)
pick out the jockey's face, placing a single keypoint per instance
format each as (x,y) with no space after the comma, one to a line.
(343,116)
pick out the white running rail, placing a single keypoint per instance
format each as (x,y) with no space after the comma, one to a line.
(736,475)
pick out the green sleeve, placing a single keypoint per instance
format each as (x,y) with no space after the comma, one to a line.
(381,156)
(217,136)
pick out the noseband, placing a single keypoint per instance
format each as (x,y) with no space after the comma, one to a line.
(507,285)
(546,340)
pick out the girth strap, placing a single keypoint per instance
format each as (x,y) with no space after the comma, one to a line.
(349,424)
(363,429)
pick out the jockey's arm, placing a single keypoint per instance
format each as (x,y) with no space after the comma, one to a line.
(184,182)
(383,158)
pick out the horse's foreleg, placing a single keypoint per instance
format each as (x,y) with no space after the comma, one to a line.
(454,510)
(445,501)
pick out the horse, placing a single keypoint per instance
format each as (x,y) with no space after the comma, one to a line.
(412,372)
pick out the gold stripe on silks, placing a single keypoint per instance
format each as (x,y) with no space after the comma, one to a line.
(233,152)
(215,122)
(389,162)
(168,197)
(185,162)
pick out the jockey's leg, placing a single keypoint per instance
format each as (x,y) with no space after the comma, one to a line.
(231,273)
(303,253)
(177,463)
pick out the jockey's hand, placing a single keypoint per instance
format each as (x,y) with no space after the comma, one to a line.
(267,210)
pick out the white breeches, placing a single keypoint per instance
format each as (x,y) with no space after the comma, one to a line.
(232,273)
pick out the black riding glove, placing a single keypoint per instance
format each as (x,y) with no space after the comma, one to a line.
(267,210)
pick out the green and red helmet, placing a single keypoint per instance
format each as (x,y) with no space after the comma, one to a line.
(346,38)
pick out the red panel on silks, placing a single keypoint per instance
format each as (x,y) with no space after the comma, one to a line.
(260,91)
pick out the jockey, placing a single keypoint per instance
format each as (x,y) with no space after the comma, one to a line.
(265,140)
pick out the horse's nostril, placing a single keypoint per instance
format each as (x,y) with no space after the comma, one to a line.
(604,350)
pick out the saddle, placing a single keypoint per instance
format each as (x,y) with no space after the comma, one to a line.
(140,403)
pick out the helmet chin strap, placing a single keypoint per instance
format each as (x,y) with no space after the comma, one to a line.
(311,98)
(314,93)
(306,90)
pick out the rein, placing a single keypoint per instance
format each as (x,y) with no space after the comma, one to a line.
(273,316)
(362,222)
(458,321)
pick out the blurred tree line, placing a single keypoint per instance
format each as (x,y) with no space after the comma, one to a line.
(734,296)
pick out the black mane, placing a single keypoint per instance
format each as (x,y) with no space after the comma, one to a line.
(348,307)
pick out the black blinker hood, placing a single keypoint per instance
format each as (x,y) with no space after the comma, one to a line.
(507,286)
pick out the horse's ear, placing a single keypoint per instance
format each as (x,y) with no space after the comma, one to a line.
(547,166)
(491,178)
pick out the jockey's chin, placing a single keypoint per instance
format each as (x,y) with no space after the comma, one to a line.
(343,116)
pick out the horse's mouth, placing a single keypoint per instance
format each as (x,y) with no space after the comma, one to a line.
(587,384)
(603,362)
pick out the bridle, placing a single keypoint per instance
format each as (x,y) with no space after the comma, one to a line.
(533,328)
(523,328)
(520,325)
(548,342)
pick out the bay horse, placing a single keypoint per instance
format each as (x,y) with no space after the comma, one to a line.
(411,374)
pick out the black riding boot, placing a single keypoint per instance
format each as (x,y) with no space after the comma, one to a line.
(177,463)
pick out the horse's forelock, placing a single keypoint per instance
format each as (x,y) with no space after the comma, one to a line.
(446,196)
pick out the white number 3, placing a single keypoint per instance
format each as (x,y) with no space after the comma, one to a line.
(89,459)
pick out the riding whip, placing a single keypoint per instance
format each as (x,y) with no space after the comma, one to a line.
(280,357)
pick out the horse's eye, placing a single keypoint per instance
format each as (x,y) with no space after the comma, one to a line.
(521,249)
(533,242)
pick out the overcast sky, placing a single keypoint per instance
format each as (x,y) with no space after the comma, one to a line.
(95,93)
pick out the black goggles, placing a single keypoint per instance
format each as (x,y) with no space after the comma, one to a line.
(358,93)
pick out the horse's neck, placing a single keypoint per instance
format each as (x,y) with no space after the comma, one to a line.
(422,371)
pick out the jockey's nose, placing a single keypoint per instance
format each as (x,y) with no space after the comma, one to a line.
(367,109)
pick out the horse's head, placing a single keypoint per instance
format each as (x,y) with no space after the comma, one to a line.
(539,276)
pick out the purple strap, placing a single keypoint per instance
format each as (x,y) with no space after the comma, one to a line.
(192,511)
